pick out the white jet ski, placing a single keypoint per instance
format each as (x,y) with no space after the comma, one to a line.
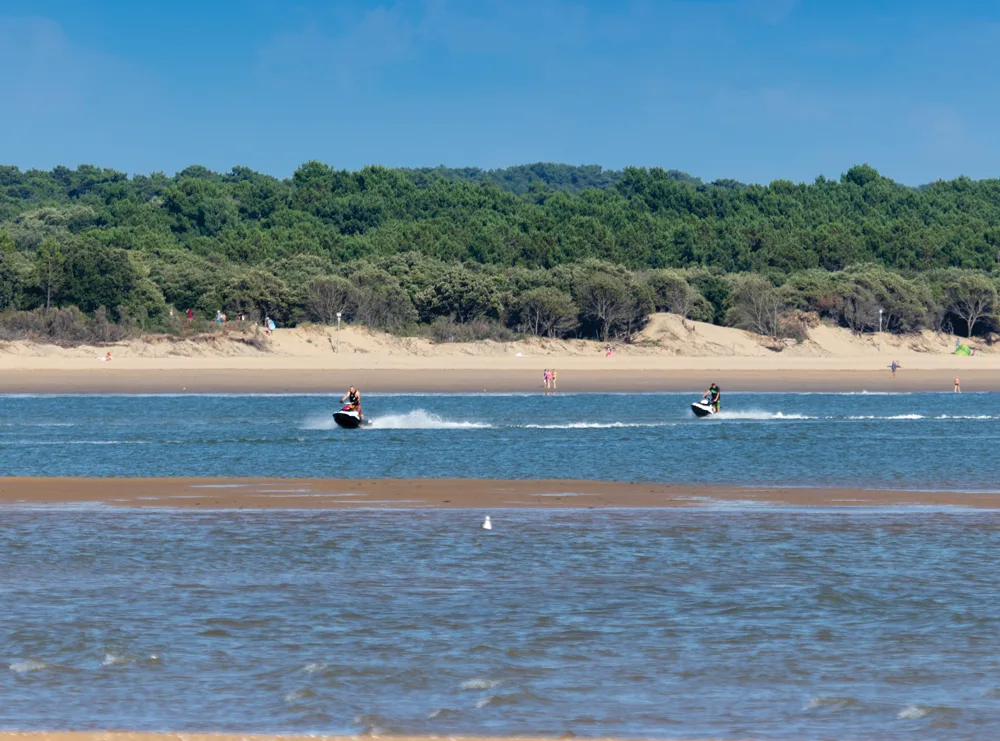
(349,418)
(703,408)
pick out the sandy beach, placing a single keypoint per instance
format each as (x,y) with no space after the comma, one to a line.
(228,494)
(669,355)
(251,380)
(119,380)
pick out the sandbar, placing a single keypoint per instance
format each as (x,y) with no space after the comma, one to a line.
(185,736)
(480,494)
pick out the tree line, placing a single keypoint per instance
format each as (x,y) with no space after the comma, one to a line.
(550,250)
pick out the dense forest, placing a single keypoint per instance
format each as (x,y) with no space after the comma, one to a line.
(544,249)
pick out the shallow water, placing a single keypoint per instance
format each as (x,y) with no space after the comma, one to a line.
(935,441)
(733,624)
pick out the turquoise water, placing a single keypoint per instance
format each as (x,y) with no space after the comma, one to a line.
(729,621)
(944,441)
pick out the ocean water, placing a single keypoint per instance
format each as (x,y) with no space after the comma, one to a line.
(756,623)
(729,621)
(927,441)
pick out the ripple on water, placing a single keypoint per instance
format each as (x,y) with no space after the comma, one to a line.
(481,684)
(832,703)
(299,695)
(936,712)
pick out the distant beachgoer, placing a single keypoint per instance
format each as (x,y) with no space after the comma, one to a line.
(107,356)
(895,366)
(552,375)
(545,379)
(220,318)
(607,351)
(958,386)
(267,325)
(270,325)
(190,315)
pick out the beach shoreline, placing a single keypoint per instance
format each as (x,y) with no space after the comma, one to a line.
(211,736)
(202,494)
(253,379)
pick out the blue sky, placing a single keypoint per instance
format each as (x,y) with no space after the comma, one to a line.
(749,89)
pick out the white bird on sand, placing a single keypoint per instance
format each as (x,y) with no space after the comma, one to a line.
(487,525)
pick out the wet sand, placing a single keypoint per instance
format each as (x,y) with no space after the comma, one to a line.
(232,380)
(478,494)
(184,736)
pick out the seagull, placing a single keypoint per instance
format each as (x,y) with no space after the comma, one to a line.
(487,525)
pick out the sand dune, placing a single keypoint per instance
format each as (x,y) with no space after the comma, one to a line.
(667,343)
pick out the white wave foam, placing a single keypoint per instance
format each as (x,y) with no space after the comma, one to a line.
(116,659)
(23,667)
(754,414)
(421,419)
(481,684)
(595,425)
(892,416)
(912,712)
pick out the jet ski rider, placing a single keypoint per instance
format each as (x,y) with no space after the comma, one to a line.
(714,395)
(353,399)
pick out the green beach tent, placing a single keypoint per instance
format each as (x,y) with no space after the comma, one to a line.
(963,350)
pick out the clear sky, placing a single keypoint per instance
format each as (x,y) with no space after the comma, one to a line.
(749,89)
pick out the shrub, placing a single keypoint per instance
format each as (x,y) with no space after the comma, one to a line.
(756,305)
(61,327)
(446,329)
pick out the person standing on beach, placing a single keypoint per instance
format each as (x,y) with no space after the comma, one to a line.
(958,386)
(552,377)
(895,366)
(545,379)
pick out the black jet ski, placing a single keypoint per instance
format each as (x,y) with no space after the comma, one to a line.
(349,418)
(703,408)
